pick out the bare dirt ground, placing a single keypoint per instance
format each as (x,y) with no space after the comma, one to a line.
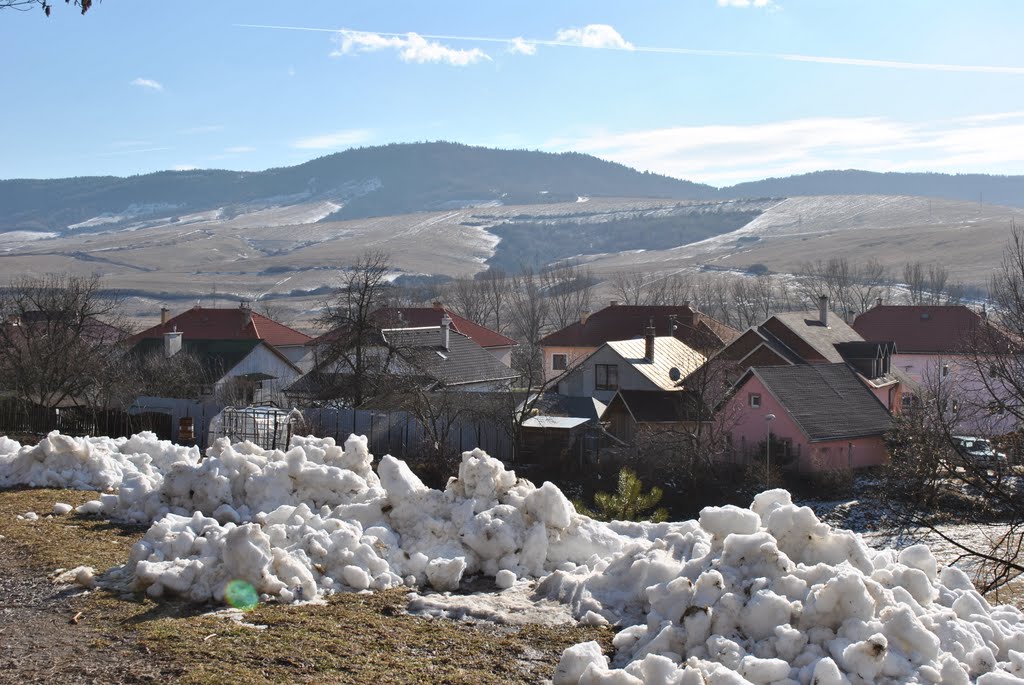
(41,643)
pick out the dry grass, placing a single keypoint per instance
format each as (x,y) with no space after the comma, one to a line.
(353,638)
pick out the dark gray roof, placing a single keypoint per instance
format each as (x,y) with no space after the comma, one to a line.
(663,406)
(828,401)
(463,362)
(821,338)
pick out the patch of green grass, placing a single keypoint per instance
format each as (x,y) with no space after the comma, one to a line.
(353,638)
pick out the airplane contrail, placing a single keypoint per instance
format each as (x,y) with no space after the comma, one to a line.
(786,57)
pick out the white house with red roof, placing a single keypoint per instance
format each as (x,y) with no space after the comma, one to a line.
(500,346)
(230,323)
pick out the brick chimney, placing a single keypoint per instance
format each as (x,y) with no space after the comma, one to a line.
(584,315)
(446,325)
(823,309)
(165,315)
(878,302)
(437,304)
(613,303)
(649,343)
(247,313)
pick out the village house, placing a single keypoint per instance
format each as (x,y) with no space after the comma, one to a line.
(568,346)
(943,349)
(633,412)
(432,357)
(238,372)
(805,337)
(649,363)
(500,346)
(820,417)
(230,323)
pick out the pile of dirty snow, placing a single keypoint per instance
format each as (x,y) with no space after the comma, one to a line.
(768,594)
(61,461)
(772,595)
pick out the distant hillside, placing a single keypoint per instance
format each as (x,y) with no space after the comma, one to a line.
(372,181)
(996,190)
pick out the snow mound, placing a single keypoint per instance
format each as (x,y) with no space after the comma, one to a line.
(317,519)
(60,461)
(772,595)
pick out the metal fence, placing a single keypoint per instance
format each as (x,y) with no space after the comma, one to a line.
(400,434)
(26,421)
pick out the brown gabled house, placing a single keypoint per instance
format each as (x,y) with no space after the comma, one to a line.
(564,348)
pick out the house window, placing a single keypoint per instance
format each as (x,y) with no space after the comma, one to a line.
(945,370)
(754,400)
(606,376)
(956,405)
(559,362)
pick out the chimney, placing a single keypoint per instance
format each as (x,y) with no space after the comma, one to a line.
(165,315)
(437,304)
(172,343)
(584,315)
(247,313)
(649,343)
(614,303)
(673,324)
(878,302)
(823,309)
(446,325)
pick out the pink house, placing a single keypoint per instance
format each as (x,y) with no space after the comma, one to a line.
(824,418)
(944,350)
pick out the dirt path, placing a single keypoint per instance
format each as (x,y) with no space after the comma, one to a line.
(39,643)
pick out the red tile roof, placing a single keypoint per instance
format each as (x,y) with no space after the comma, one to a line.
(235,323)
(417,317)
(920,328)
(623,322)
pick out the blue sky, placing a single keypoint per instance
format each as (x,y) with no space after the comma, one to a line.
(718,91)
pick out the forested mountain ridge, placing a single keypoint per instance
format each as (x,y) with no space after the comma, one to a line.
(411,177)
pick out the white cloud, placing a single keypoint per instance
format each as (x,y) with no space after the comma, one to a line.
(411,47)
(521,46)
(239,149)
(147,83)
(600,36)
(745,3)
(726,154)
(330,141)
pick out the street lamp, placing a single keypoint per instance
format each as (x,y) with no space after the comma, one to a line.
(768,418)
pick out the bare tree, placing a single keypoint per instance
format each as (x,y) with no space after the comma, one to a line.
(497,282)
(567,288)
(44,5)
(916,282)
(628,287)
(981,389)
(354,347)
(870,284)
(61,339)
(470,298)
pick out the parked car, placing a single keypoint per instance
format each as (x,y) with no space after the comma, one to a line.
(979,451)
